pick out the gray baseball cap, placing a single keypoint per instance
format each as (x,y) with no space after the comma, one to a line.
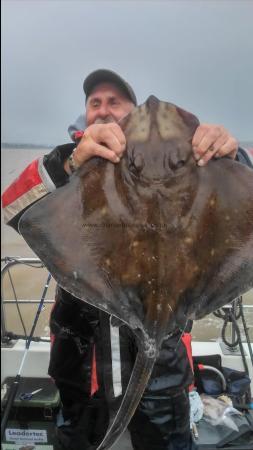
(103,76)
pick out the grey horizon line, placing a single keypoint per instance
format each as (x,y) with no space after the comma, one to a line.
(246,143)
(25,145)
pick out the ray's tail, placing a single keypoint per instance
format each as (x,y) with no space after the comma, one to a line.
(136,386)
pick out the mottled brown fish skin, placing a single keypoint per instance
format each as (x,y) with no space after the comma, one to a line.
(152,240)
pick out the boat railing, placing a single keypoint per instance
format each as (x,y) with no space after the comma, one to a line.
(7,263)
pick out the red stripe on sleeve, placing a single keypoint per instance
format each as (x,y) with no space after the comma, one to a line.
(25,182)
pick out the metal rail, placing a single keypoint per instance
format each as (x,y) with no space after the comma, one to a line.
(8,262)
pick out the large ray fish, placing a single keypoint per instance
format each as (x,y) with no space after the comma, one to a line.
(152,240)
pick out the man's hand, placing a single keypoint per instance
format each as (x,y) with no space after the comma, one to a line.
(213,141)
(106,140)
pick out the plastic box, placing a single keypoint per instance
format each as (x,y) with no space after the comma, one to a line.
(31,423)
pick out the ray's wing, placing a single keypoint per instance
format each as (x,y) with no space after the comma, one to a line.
(76,231)
(229,216)
(216,250)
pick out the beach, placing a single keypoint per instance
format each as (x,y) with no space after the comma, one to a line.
(29,282)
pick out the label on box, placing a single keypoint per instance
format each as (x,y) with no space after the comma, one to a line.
(27,436)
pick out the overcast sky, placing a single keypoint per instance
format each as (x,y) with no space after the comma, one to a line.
(197,54)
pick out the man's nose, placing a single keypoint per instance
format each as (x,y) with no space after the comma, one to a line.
(103,111)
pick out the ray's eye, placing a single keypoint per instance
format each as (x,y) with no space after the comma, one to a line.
(179,164)
(176,161)
(136,165)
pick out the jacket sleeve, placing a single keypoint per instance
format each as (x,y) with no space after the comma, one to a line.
(41,177)
(245,156)
(78,125)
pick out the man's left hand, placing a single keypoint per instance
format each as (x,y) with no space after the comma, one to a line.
(213,141)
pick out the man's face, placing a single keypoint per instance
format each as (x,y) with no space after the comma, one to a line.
(107,103)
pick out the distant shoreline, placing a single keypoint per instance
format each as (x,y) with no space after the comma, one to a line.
(25,146)
(7,145)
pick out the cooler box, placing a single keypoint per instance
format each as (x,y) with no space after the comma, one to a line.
(31,424)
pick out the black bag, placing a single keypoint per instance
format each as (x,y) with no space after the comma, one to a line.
(211,382)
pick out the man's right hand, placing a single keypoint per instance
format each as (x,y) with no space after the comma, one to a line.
(106,140)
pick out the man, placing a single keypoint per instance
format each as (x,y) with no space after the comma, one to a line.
(85,344)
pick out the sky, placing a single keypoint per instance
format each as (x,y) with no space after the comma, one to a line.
(196,54)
